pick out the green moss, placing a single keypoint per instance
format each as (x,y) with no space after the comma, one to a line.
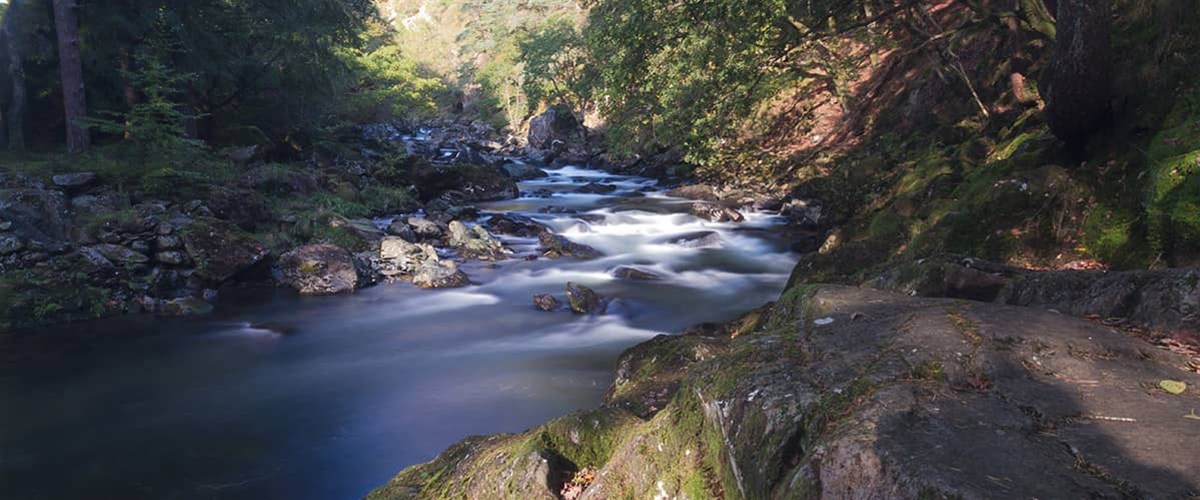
(931,369)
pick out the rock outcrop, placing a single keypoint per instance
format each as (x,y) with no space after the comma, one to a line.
(840,392)
(1167,300)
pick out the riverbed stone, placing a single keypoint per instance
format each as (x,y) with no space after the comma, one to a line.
(695,239)
(426,229)
(186,306)
(516,225)
(475,243)
(401,229)
(319,270)
(555,246)
(74,182)
(584,300)
(444,274)
(546,302)
(398,257)
(713,212)
(634,274)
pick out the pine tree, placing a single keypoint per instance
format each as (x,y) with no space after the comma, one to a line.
(66,26)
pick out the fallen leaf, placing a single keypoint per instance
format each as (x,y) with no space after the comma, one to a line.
(1173,386)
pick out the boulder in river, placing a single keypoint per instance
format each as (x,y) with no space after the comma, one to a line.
(584,300)
(523,172)
(401,229)
(596,188)
(476,243)
(516,225)
(555,246)
(443,274)
(634,274)
(426,229)
(546,302)
(695,239)
(319,270)
(398,257)
(713,212)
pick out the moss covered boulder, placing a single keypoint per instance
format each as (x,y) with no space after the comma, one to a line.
(319,270)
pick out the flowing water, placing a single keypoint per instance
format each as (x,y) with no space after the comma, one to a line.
(361,386)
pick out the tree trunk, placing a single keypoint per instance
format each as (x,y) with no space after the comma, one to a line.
(16,72)
(1079,91)
(66,26)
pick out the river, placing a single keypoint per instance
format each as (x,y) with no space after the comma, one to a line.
(361,386)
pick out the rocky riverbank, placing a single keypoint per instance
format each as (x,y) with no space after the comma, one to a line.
(847,392)
(79,244)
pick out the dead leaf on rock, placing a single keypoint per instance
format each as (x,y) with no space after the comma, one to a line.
(1173,386)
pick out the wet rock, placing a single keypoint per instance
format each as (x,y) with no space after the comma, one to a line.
(426,229)
(804,213)
(634,274)
(402,230)
(444,274)
(596,188)
(73,183)
(475,243)
(696,239)
(768,204)
(555,246)
(139,246)
(593,219)
(556,209)
(701,192)
(716,213)
(475,182)
(398,257)
(186,306)
(539,193)
(584,300)
(546,302)
(516,225)
(280,180)
(319,270)
(119,254)
(523,172)
(220,249)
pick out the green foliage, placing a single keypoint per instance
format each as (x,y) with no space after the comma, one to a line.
(390,85)
(1173,186)
(689,75)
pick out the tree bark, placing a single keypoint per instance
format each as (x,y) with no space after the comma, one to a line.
(66,26)
(1078,100)
(16,72)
